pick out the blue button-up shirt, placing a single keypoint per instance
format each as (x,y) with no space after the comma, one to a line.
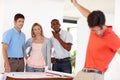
(15,41)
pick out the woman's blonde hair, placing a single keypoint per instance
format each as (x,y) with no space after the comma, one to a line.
(36,24)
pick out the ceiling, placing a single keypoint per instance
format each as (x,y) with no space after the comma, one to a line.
(70,12)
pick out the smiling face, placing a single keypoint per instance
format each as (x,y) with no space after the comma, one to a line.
(55,25)
(19,23)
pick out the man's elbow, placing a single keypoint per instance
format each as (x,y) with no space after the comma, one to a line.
(69,48)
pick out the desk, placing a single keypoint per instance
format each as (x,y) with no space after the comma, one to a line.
(9,78)
(37,76)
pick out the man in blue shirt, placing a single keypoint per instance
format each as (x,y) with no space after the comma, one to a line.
(13,46)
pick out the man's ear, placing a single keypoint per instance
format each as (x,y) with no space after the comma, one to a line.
(60,24)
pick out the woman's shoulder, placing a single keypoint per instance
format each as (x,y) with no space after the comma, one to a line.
(29,39)
(47,39)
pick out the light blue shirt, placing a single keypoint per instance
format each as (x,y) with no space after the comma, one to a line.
(15,42)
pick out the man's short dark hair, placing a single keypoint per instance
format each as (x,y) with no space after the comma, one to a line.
(96,18)
(18,15)
(54,20)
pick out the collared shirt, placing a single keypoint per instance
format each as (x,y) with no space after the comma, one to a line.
(101,50)
(15,41)
(58,51)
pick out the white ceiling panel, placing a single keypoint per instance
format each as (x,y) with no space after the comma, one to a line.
(106,6)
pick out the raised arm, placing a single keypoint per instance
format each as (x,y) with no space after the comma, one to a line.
(85,12)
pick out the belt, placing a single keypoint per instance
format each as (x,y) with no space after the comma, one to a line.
(63,59)
(92,70)
(15,58)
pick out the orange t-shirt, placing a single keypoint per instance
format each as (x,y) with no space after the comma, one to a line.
(101,50)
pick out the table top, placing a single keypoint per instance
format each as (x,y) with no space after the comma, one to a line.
(9,78)
(48,75)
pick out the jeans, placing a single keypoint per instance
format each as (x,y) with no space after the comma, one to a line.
(62,65)
(32,69)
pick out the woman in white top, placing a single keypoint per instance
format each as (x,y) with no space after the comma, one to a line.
(39,54)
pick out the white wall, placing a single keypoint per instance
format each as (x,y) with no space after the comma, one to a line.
(1,25)
(115,65)
(41,11)
(82,40)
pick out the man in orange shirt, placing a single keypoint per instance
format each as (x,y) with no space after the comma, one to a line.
(102,46)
